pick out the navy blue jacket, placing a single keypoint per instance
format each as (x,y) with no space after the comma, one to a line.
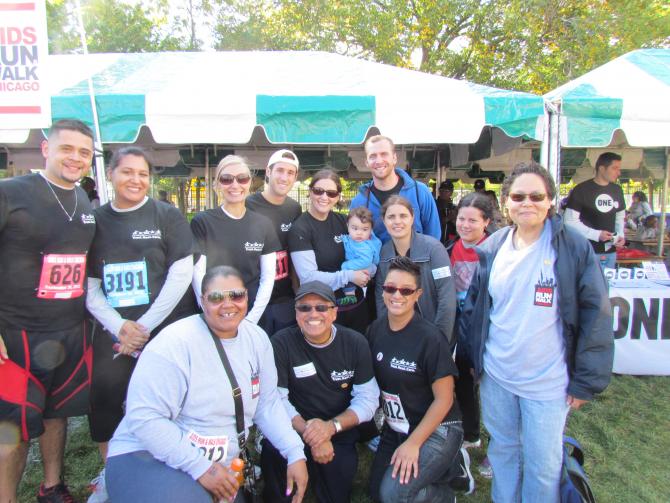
(583,306)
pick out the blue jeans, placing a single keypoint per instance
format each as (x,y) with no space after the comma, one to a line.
(526,446)
(436,457)
(607,260)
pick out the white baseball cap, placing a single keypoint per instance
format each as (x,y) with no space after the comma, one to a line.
(284,155)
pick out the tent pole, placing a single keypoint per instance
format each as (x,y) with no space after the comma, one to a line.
(100,179)
(550,155)
(208,182)
(664,200)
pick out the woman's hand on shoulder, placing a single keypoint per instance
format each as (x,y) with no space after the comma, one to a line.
(220,481)
(405,461)
(361,277)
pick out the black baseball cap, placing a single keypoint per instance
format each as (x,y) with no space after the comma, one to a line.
(316,288)
(480,184)
(446,185)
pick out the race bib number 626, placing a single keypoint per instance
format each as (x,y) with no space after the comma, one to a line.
(62,276)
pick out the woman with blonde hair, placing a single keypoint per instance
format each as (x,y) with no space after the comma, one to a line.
(230,235)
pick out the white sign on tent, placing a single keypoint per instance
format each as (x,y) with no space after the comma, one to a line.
(24,98)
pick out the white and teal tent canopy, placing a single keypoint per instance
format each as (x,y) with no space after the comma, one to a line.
(630,93)
(295,97)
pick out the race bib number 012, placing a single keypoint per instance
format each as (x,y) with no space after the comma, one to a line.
(62,276)
(394,413)
(126,284)
(212,448)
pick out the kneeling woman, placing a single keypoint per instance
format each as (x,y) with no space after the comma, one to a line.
(422,433)
(179,433)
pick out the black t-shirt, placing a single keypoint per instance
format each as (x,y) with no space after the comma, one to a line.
(43,253)
(324,238)
(383,195)
(282,216)
(320,380)
(406,363)
(133,251)
(235,242)
(597,206)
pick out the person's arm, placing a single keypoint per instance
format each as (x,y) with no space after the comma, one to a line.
(157,390)
(430,218)
(445,310)
(405,459)
(571,218)
(594,347)
(380,277)
(176,283)
(97,305)
(267,282)
(271,416)
(305,266)
(199,270)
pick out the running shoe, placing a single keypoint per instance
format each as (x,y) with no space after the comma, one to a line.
(485,469)
(373,444)
(55,494)
(475,444)
(463,480)
(99,489)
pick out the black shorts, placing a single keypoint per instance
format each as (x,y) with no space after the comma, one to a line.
(47,376)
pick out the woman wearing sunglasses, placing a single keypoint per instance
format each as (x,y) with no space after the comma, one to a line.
(317,250)
(179,434)
(231,235)
(412,362)
(140,265)
(438,302)
(536,326)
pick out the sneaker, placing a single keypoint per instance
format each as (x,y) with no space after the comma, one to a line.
(475,444)
(485,469)
(463,481)
(99,489)
(373,444)
(55,494)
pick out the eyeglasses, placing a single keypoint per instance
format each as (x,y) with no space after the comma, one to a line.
(217,297)
(319,308)
(405,292)
(535,197)
(226,179)
(318,191)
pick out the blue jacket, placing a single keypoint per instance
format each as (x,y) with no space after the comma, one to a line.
(583,306)
(361,254)
(426,217)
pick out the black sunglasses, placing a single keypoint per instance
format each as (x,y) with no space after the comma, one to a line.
(318,191)
(319,308)
(226,179)
(217,297)
(535,197)
(405,292)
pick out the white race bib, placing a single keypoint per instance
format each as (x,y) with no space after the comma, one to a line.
(394,413)
(214,448)
(305,370)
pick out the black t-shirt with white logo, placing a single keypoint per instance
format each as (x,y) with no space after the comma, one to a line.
(324,238)
(406,363)
(43,253)
(320,379)
(282,217)
(597,206)
(133,251)
(235,242)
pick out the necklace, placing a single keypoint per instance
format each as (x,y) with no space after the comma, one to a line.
(76,201)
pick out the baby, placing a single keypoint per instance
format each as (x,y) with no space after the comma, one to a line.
(361,246)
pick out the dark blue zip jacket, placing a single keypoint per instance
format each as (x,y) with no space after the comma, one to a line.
(583,306)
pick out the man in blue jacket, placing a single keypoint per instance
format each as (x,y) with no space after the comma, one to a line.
(387,180)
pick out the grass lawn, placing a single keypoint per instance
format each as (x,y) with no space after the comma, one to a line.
(625,433)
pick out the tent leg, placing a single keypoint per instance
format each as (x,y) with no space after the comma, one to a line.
(664,200)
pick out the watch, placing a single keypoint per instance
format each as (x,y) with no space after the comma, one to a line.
(338,425)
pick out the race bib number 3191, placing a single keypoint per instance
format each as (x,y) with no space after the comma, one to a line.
(62,276)
(126,284)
